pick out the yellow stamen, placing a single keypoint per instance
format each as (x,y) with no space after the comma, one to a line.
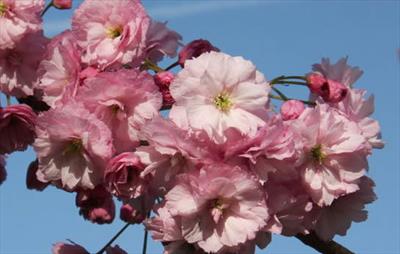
(317,154)
(114,32)
(223,102)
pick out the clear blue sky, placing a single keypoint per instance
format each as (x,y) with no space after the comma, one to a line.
(280,37)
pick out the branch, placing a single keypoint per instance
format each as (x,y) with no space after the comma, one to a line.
(330,247)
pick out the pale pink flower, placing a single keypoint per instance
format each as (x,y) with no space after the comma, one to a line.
(68,248)
(291,109)
(334,153)
(122,176)
(17,128)
(73,146)
(17,18)
(124,101)
(194,49)
(59,70)
(358,109)
(218,206)
(161,41)
(111,31)
(340,71)
(96,205)
(337,218)
(18,66)
(62,4)
(3,172)
(219,92)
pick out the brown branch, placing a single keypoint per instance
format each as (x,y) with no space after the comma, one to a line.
(330,247)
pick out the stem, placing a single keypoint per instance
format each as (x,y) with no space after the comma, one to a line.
(144,248)
(46,9)
(290,82)
(330,247)
(113,239)
(172,66)
(149,65)
(280,78)
(280,94)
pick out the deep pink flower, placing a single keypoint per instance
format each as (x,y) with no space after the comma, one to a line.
(3,172)
(330,90)
(18,66)
(161,41)
(291,109)
(17,128)
(96,205)
(115,250)
(131,214)
(17,18)
(122,176)
(62,4)
(163,81)
(59,70)
(359,110)
(334,153)
(124,101)
(73,146)
(195,49)
(218,92)
(32,182)
(337,218)
(218,206)
(111,31)
(315,81)
(66,248)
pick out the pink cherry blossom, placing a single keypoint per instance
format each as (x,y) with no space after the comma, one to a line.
(291,109)
(124,101)
(161,41)
(73,146)
(334,153)
(96,205)
(122,176)
(358,109)
(18,66)
(111,31)
(333,91)
(218,92)
(68,248)
(195,49)
(340,71)
(218,206)
(3,172)
(17,18)
(59,70)
(337,218)
(17,128)
(62,4)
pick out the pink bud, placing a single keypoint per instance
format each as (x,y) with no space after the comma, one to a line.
(291,109)
(195,49)
(130,214)
(32,182)
(62,4)
(315,81)
(333,91)
(3,172)
(96,205)
(17,128)
(65,248)
(164,79)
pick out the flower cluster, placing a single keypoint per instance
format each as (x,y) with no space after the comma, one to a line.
(220,170)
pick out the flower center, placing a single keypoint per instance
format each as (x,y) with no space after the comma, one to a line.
(114,32)
(74,146)
(317,154)
(217,209)
(223,102)
(3,8)
(114,109)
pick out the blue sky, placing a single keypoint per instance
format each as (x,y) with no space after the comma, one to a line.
(280,37)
